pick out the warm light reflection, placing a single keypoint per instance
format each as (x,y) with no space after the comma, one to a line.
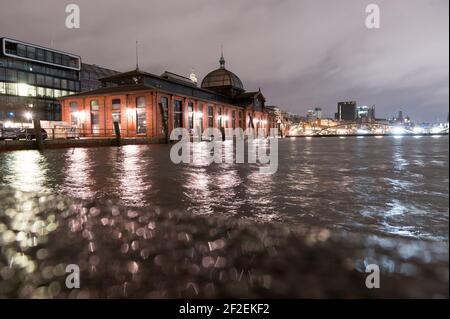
(78,173)
(29,171)
(132,185)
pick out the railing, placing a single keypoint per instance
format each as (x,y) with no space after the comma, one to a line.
(56,133)
(78,133)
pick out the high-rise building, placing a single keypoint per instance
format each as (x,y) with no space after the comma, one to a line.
(32,78)
(314,114)
(365,113)
(346,111)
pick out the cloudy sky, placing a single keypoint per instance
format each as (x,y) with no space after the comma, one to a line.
(302,53)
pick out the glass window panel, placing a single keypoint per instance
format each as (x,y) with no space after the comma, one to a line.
(40,79)
(40,55)
(22,77)
(140,102)
(31,78)
(141,121)
(94,105)
(40,91)
(116,104)
(57,58)
(49,92)
(21,50)
(11,88)
(191,115)
(48,81)
(11,75)
(49,56)
(116,117)
(31,52)
(178,113)
(57,82)
(31,90)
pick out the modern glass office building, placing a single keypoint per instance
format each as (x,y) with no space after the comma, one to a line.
(33,78)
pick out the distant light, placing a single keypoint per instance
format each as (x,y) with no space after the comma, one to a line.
(28,116)
(8,124)
(398,130)
(435,130)
(362,131)
(418,130)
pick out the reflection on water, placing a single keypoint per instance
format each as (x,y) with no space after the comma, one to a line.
(131,173)
(371,185)
(25,170)
(78,182)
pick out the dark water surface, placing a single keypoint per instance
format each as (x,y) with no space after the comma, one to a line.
(371,185)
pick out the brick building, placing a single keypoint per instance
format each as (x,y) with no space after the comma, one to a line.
(145,104)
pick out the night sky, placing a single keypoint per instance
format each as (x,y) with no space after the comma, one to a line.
(303,54)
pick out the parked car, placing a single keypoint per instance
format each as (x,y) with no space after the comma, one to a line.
(29,134)
(9,134)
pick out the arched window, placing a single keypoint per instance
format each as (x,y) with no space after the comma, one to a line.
(141,116)
(116,110)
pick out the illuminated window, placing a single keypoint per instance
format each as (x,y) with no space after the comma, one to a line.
(49,93)
(116,104)
(73,113)
(210,116)
(116,110)
(11,88)
(233,119)
(141,115)
(94,105)
(191,115)
(178,114)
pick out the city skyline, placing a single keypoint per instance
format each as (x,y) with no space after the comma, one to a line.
(327,54)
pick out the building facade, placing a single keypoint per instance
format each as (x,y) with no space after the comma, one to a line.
(346,111)
(365,113)
(33,78)
(148,105)
(90,75)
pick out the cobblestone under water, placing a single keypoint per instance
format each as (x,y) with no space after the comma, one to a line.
(149,253)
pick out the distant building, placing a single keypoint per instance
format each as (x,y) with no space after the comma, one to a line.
(315,114)
(365,113)
(33,78)
(90,75)
(145,104)
(346,111)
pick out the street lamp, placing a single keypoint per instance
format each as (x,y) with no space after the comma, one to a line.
(28,116)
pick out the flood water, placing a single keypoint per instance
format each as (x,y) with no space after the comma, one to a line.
(389,185)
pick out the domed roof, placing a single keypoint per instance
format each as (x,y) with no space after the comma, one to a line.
(222,78)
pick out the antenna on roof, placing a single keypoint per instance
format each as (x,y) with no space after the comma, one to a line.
(222,59)
(137,55)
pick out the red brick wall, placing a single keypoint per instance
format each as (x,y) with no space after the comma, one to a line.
(153,113)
